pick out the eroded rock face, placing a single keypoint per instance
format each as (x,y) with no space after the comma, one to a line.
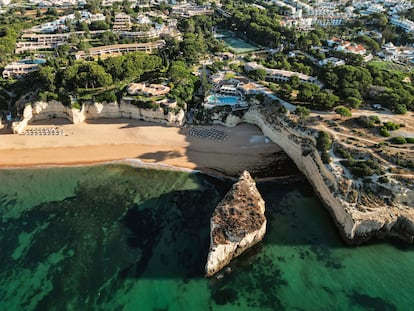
(237,224)
(55,109)
(359,215)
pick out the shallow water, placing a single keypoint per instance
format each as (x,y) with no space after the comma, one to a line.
(115,237)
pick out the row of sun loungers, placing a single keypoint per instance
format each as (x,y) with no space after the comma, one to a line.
(43,131)
(208,134)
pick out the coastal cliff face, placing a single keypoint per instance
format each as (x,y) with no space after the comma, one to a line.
(55,109)
(357,215)
(237,224)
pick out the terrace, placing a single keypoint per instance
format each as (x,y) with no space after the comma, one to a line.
(117,49)
(227,93)
(151,90)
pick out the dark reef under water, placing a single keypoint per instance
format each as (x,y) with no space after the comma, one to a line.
(115,237)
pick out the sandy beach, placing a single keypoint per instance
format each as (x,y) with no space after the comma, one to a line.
(115,139)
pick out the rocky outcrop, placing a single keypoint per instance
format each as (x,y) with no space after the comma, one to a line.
(357,221)
(237,224)
(55,109)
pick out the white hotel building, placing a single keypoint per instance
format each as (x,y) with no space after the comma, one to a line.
(278,75)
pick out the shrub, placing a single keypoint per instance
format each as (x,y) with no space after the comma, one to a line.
(383,180)
(361,169)
(410,140)
(108,97)
(353,102)
(282,109)
(399,140)
(64,99)
(76,105)
(343,153)
(368,122)
(325,157)
(400,109)
(323,141)
(343,112)
(302,111)
(384,132)
(375,119)
(391,126)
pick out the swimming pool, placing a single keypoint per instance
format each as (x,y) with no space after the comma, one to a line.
(33,61)
(223,100)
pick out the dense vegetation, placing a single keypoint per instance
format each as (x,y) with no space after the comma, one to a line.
(324,144)
(347,86)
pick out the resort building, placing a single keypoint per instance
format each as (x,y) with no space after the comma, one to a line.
(346,46)
(118,49)
(349,47)
(150,90)
(59,25)
(57,3)
(278,75)
(405,24)
(4,2)
(122,22)
(333,41)
(333,61)
(161,32)
(227,89)
(329,20)
(152,93)
(34,41)
(188,10)
(142,19)
(21,68)
(227,93)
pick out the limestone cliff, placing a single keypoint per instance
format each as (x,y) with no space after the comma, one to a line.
(357,219)
(55,109)
(237,224)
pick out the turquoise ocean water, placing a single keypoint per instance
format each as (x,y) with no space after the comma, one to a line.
(115,237)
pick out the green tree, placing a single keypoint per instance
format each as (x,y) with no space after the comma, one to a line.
(343,112)
(182,81)
(258,74)
(302,112)
(353,102)
(400,109)
(52,11)
(47,75)
(323,141)
(86,75)
(294,82)
(325,100)
(98,25)
(399,140)
(109,38)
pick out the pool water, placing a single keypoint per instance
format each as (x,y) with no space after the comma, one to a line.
(223,100)
(33,61)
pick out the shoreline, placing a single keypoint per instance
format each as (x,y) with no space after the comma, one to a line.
(144,144)
(245,148)
(137,163)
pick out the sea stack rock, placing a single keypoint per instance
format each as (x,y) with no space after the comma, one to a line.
(238,223)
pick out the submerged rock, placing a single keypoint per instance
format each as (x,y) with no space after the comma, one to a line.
(237,224)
